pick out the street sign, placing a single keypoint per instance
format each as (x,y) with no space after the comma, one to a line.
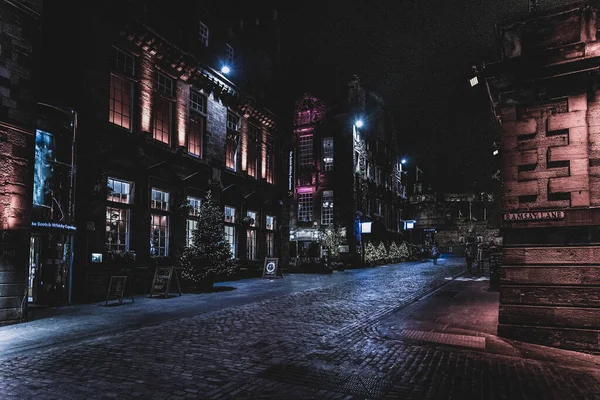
(161,283)
(271,268)
(116,289)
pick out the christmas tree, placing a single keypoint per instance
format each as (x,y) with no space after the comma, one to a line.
(404,251)
(209,256)
(370,253)
(394,253)
(381,253)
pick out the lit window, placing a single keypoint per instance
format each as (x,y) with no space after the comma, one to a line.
(195,204)
(121,89)
(229,52)
(252,217)
(190,227)
(117,229)
(159,200)
(328,154)
(197,123)
(162,119)
(203,33)
(229,215)
(327,207)
(251,244)
(270,223)
(305,150)
(159,235)
(270,241)
(231,152)
(233,122)
(230,238)
(305,205)
(120,191)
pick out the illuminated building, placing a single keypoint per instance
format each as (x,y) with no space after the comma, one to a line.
(344,169)
(545,94)
(161,123)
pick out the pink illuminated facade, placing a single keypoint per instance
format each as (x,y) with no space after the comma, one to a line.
(161,125)
(340,175)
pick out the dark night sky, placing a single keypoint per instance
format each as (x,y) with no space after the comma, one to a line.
(417,54)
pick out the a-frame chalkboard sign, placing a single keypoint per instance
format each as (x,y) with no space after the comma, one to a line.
(161,284)
(116,289)
(271,268)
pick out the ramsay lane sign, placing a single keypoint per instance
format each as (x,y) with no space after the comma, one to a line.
(534,216)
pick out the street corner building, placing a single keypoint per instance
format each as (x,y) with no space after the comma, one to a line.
(545,95)
(344,173)
(19,42)
(143,110)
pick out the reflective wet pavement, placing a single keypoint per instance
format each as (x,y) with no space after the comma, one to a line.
(383,332)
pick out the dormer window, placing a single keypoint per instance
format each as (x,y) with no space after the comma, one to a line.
(203,33)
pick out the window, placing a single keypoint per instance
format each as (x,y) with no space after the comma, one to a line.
(270,159)
(270,241)
(164,84)
(121,89)
(305,150)
(162,119)
(159,235)
(253,150)
(121,92)
(197,121)
(160,200)
(233,122)
(192,223)
(229,52)
(251,244)
(231,152)
(117,229)
(203,33)
(270,223)
(327,207)
(230,237)
(229,215)
(305,204)
(120,191)
(252,217)
(328,154)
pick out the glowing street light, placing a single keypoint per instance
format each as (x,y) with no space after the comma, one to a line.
(225,69)
(403,161)
(358,123)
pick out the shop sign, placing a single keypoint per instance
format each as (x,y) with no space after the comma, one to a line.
(534,216)
(53,225)
(291,170)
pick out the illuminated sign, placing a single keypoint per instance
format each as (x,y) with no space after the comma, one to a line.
(365,227)
(53,225)
(96,257)
(409,224)
(291,170)
(534,216)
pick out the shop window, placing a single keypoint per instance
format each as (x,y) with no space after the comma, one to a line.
(230,237)
(328,154)
(160,200)
(270,242)
(159,235)
(192,223)
(251,244)
(270,223)
(305,205)
(229,215)
(327,208)
(117,229)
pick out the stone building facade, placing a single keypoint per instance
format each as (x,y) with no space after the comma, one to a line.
(19,40)
(161,123)
(341,173)
(545,92)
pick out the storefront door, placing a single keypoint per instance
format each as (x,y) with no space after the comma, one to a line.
(50,258)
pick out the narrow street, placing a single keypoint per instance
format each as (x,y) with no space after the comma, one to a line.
(353,334)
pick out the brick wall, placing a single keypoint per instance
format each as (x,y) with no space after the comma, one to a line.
(18,37)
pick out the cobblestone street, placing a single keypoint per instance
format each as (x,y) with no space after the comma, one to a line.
(334,341)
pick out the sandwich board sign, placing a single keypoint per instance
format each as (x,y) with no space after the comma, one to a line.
(271,268)
(161,284)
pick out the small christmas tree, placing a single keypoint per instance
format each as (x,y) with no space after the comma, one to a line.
(209,256)
(404,251)
(370,253)
(394,253)
(381,253)
(331,238)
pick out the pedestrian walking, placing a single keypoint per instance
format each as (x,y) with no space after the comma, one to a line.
(479,257)
(435,252)
(470,252)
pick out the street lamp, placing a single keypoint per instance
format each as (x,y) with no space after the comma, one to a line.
(225,69)
(358,123)
(403,161)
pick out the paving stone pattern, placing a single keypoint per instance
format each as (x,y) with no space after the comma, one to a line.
(311,344)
